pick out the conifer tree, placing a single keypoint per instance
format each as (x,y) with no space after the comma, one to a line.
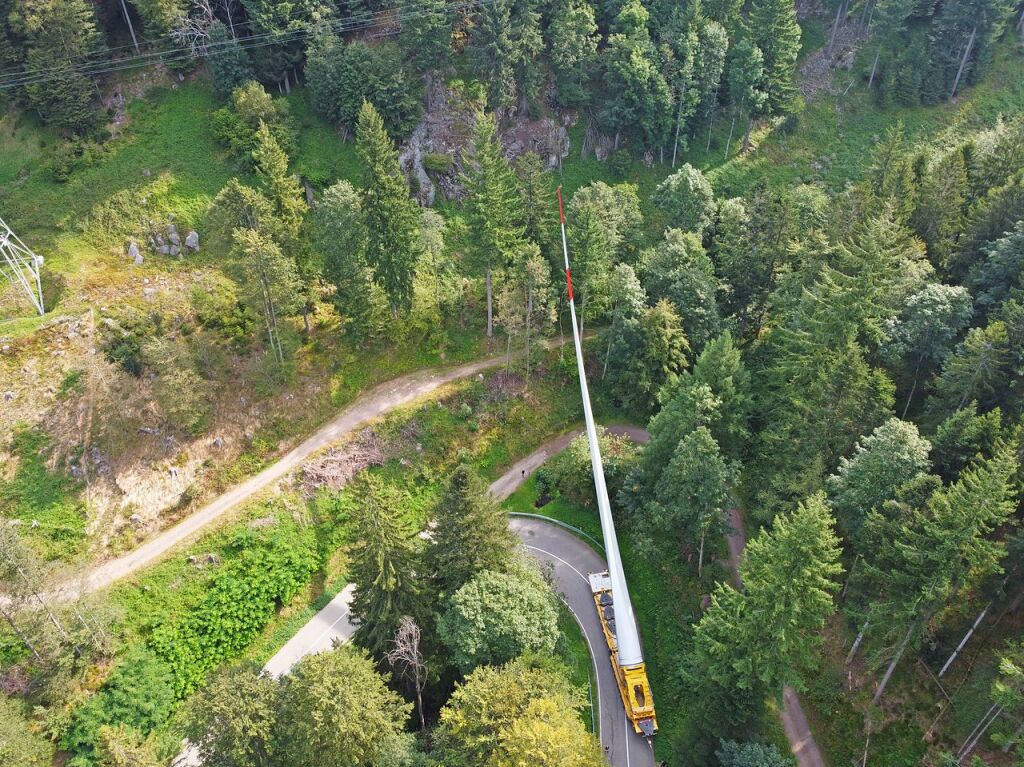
(639,101)
(774,29)
(494,52)
(59,34)
(389,215)
(495,229)
(746,86)
(227,61)
(766,637)
(427,32)
(692,495)
(978,370)
(919,561)
(281,187)
(471,533)
(383,567)
(537,201)
(340,238)
(573,40)
(272,282)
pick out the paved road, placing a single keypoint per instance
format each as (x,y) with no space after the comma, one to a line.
(368,406)
(572,560)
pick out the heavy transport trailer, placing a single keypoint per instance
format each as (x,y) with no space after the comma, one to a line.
(632,680)
(616,614)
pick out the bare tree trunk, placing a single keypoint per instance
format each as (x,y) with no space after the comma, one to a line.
(732,127)
(893,663)
(679,117)
(608,354)
(746,137)
(874,66)
(963,62)
(529,313)
(131,27)
(856,643)
(835,27)
(615,147)
(231,18)
(965,640)
(490,307)
(1016,735)
(700,556)
(17,632)
(913,388)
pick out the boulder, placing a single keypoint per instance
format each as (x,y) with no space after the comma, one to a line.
(172,235)
(174,250)
(133,250)
(164,250)
(192,241)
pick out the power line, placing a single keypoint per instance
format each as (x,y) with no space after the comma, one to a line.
(181,55)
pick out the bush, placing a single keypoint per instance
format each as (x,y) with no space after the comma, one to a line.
(570,476)
(620,162)
(434,162)
(271,565)
(74,155)
(138,694)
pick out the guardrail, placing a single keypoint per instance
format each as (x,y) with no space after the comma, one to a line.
(565,525)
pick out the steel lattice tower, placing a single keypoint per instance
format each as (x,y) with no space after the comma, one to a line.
(20,266)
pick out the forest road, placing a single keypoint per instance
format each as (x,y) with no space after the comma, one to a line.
(368,406)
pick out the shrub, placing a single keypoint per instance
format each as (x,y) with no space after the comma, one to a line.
(570,476)
(271,565)
(138,694)
(434,162)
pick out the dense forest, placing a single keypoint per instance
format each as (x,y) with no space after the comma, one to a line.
(837,364)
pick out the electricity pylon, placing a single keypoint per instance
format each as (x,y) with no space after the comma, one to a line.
(20,266)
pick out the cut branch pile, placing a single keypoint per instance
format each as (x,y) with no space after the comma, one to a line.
(338,466)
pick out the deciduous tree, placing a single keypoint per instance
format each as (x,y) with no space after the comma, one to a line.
(231,722)
(496,617)
(337,711)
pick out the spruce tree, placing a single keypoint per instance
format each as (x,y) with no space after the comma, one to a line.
(573,38)
(774,29)
(281,187)
(920,560)
(427,32)
(340,238)
(390,216)
(384,564)
(494,222)
(766,637)
(692,496)
(471,533)
(227,61)
(273,287)
(59,34)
